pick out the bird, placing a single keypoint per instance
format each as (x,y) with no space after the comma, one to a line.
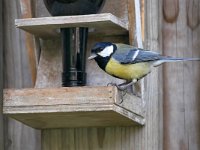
(127,62)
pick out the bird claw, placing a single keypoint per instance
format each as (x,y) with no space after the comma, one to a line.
(111,84)
(121,88)
(123,93)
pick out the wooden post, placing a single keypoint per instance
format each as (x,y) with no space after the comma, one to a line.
(1,80)
(26,12)
(149,137)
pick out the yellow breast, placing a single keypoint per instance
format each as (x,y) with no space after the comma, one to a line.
(127,71)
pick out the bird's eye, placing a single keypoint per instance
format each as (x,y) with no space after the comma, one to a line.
(100,49)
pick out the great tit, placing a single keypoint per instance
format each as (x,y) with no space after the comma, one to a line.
(127,62)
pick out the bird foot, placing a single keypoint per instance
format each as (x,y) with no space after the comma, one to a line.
(119,86)
(125,88)
(111,84)
(127,91)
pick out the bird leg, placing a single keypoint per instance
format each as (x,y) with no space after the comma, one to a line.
(119,86)
(125,85)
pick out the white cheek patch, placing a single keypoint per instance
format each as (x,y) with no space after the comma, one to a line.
(106,51)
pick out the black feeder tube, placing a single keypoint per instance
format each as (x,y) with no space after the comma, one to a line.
(74,41)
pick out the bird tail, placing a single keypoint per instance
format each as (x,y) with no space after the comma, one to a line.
(172,59)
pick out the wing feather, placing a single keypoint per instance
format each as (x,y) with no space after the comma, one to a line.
(135,55)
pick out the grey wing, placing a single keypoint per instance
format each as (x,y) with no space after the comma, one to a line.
(136,55)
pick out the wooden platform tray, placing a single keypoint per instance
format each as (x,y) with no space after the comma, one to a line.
(46,27)
(72,107)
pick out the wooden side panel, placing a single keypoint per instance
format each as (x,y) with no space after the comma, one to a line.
(15,50)
(149,137)
(131,19)
(1,80)
(26,12)
(181,36)
(17,74)
(51,55)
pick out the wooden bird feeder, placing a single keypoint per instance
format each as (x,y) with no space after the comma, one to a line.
(49,105)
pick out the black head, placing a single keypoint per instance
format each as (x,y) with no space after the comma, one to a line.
(102,53)
(102,49)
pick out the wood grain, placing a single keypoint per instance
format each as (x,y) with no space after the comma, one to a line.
(143,18)
(149,137)
(193,17)
(83,106)
(138,24)
(170,10)
(181,84)
(136,37)
(117,8)
(131,19)
(17,74)
(1,81)
(107,23)
(51,55)
(58,96)
(26,12)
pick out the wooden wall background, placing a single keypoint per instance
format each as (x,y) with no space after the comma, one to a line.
(172,92)
(17,74)
(181,36)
